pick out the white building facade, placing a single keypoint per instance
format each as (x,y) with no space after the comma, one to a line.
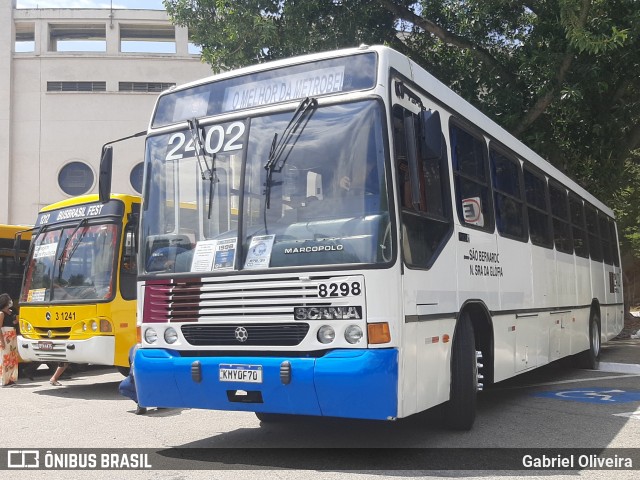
(72,80)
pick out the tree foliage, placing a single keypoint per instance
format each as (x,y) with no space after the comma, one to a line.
(561,75)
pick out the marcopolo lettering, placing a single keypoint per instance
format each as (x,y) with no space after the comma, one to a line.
(314,249)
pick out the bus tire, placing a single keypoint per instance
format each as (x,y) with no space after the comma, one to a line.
(124,371)
(590,359)
(460,410)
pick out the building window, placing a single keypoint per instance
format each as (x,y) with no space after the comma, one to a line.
(135,177)
(25,37)
(76,86)
(76,178)
(147,38)
(145,87)
(76,37)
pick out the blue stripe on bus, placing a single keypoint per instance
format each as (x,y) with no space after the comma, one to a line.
(342,383)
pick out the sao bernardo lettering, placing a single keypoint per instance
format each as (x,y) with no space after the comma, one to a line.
(486,263)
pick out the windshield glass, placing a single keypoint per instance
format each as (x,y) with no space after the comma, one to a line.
(70,264)
(322,200)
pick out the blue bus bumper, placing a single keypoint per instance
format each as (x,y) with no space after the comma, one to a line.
(342,383)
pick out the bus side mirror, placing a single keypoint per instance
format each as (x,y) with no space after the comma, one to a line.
(104,180)
(431,134)
(17,240)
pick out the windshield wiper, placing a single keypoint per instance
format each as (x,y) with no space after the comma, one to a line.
(276,160)
(32,245)
(74,248)
(207,172)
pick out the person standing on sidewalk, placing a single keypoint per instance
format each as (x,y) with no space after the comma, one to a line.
(8,342)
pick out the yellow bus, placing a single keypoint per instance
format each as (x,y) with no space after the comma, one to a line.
(12,267)
(78,296)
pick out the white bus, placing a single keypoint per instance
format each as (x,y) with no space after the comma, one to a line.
(340,234)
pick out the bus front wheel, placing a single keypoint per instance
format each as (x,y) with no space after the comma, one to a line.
(460,410)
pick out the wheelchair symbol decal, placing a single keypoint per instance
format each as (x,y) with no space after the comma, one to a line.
(603,396)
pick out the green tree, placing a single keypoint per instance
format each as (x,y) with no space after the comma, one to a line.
(561,75)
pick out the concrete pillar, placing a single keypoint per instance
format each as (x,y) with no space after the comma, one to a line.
(182,42)
(7,38)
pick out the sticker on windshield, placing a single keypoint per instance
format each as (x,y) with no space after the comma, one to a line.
(259,253)
(203,256)
(36,295)
(214,255)
(46,250)
(225,254)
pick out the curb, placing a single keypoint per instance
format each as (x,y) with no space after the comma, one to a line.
(610,367)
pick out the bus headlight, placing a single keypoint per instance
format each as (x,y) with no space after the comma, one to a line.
(94,325)
(353,334)
(170,335)
(150,335)
(326,334)
(84,327)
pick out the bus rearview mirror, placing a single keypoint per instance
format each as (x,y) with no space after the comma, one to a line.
(431,134)
(104,181)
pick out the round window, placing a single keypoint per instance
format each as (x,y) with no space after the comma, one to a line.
(76,178)
(135,177)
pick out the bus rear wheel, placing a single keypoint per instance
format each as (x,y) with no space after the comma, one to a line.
(590,359)
(460,410)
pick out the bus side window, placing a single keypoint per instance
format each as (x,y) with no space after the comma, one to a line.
(470,170)
(538,214)
(507,191)
(560,212)
(580,242)
(426,221)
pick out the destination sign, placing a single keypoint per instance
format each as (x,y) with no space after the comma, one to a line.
(280,89)
(78,212)
(270,86)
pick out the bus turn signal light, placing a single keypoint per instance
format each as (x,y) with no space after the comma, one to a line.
(379,333)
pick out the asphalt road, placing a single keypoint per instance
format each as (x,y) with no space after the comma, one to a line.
(553,407)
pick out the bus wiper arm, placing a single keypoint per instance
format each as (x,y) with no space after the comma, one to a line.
(73,250)
(207,172)
(296,125)
(32,245)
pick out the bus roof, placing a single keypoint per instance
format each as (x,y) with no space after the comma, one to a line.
(92,198)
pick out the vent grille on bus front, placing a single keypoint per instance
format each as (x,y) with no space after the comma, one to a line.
(276,334)
(228,302)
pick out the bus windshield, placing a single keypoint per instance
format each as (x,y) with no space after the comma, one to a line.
(269,192)
(71,263)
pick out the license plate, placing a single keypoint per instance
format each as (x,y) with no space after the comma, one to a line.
(241,373)
(45,345)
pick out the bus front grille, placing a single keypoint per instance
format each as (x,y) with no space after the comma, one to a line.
(268,334)
(238,300)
